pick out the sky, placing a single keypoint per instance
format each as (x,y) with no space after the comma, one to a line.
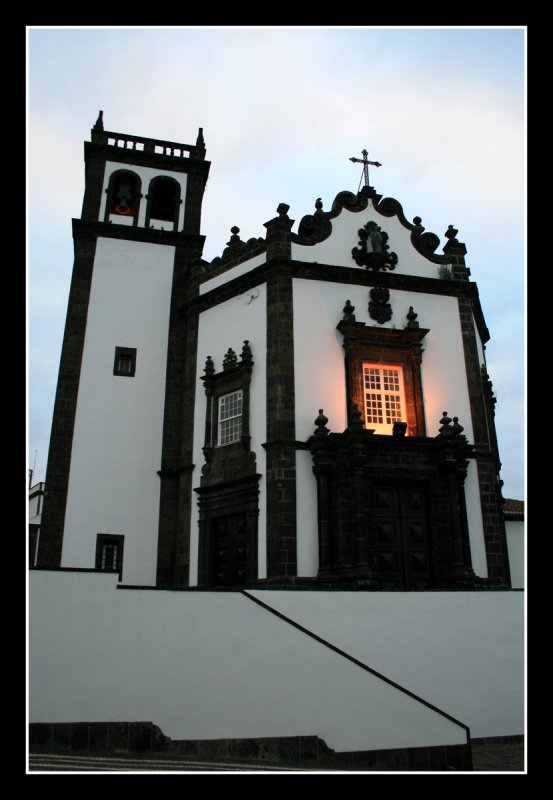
(283,110)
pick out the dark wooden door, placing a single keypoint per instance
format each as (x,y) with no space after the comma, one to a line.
(229,548)
(401,534)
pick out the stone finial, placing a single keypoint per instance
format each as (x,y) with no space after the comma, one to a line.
(246,355)
(355,417)
(283,209)
(417,222)
(451,233)
(457,429)
(230,359)
(320,422)
(99,124)
(412,318)
(445,423)
(453,246)
(200,140)
(348,310)
(318,205)
(235,231)
(209,368)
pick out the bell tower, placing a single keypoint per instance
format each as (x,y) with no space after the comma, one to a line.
(117,411)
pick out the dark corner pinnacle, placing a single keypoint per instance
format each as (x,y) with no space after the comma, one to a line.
(99,124)
(200,140)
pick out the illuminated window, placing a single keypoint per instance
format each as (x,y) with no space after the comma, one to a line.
(384,397)
(230,418)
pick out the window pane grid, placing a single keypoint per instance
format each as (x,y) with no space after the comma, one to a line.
(109,556)
(392,405)
(383,396)
(230,418)
(391,380)
(372,378)
(374,408)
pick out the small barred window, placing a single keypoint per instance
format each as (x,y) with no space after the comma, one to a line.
(109,552)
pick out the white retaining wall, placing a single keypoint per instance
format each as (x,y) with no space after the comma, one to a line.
(204,665)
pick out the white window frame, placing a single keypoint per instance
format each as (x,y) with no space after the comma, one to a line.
(384,390)
(229,418)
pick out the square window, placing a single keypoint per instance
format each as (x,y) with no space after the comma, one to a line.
(125,362)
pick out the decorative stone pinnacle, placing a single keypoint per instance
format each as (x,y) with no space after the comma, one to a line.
(348,310)
(209,366)
(451,232)
(200,140)
(283,209)
(246,355)
(457,429)
(229,360)
(412,318)
(99,124)
(445,423)
(320,422)
(318,204)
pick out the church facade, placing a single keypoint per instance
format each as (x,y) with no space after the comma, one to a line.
(312,409)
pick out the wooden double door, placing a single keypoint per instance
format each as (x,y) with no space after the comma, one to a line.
(401,537)
(230,550)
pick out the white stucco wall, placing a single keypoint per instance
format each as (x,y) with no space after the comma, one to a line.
(516,546)
(461,651)
(145,174)
(306,516)
(226,325)
(337,248)
(206,665)
(234,272)
(319,354)
(113,481)
(475,522)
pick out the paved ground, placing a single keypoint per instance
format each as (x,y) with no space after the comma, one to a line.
(487,757)
(50,762)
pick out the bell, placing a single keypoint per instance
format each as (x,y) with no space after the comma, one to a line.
(124,196)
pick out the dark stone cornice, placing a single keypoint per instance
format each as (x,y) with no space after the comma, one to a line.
(371,442)
(379,336)
(135,233)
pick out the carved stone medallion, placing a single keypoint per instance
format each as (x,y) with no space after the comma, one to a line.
(379,307)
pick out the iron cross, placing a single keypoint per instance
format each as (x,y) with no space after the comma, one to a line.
(365,163)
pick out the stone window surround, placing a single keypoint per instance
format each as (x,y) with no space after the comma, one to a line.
(366,344)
